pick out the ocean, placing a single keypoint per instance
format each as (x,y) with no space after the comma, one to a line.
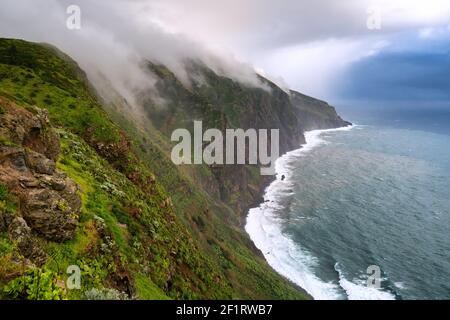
(357,197)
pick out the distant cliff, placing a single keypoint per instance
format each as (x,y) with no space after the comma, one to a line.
(90,183)
(315,114)
(224,103)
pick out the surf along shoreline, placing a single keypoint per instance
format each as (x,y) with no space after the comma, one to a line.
(265,230)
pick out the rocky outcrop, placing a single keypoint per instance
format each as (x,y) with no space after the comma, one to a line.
(314,114)
(28,128)
(21,234)
(49,201)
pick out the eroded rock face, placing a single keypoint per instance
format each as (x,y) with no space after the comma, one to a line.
(51,212)
(21,233)
(49,200)
(39,163)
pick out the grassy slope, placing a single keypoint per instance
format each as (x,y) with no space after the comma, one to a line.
(215,226)
(221,102)
(191,254)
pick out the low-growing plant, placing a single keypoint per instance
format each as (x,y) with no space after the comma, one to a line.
(3,192)
(94,271)
(105,294)
(8,203)
(36,284)
(62,205)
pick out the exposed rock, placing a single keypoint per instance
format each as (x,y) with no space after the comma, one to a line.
(315,114)
(49,200)
(28,183)
(18,161)
(29,128)
(51,214)
(20,233)
(56,182)
(39,163)
(5,220)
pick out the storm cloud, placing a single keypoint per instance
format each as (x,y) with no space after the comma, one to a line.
(310,46)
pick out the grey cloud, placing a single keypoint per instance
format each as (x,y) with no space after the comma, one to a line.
(113,41)
(117,34)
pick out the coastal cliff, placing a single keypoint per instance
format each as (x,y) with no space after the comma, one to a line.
(87,181)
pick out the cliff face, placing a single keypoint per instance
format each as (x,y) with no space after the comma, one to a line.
(49,200)
(315,114)
(81,186)
(223,103)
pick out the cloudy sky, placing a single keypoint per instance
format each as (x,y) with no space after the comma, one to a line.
(345,50)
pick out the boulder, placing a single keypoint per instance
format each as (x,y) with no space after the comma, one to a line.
(20,233)
(52,214)
(29,128)
(49,201)
(38,163)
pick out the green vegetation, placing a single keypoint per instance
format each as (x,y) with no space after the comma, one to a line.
(8,202)
(216,226)
(147,290)
(140,226)
(37,284)
(41,75)
(147,229)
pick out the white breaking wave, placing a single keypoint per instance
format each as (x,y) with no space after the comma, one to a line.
(357,289)
(282,254)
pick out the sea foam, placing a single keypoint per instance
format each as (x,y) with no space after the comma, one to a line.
(357,289)
(282,254)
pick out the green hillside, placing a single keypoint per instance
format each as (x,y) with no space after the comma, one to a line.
(143,229)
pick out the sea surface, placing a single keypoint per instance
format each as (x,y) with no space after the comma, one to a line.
(357,199)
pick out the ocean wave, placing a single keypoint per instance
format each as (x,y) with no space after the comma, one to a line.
(357,289)
(264,227)
(285,256)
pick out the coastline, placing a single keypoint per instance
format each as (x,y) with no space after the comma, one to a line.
(264,229)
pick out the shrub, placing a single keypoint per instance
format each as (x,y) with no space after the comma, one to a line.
(105,294)
(36,284)
(48,101)
(3,192)
(8,203)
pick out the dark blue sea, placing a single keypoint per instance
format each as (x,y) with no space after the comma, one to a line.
(376,195)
